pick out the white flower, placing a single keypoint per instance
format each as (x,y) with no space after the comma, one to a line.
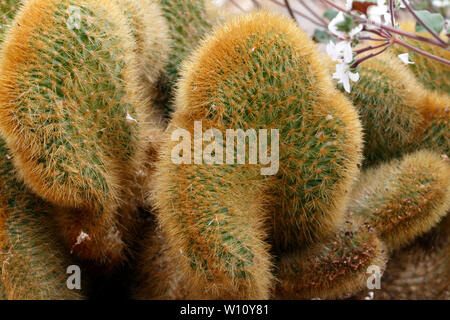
(344,75)
(349,5)
(333,27)
(441,3)
(405,58)
(340,52)
(218,3)
(379,11)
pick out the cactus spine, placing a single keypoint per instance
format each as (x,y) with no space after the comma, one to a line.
(405,198)
(8,9)
(213,214)
(334,269)
(70,105)
(33,263)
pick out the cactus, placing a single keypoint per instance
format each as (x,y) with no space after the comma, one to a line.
(189,21)
(387,98)
(432,74)
(420,271)
(150,29)
(335,269)
(398,114)
(213,214)
(71,110)
(33,263)
(2,289)
(405,198)
(435,134)
(158,278)
(8,9)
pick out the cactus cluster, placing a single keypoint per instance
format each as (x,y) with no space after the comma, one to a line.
(256,188)
(216,217)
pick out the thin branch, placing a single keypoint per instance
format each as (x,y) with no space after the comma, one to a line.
(389,28)
(289,8)
(358,62)
(373,39)
(371,48)
(256,4)
(318,17)
(421,52)
(391,8)
(297,13)
(237,5)
(423,24)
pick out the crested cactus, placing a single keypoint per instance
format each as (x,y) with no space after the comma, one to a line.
(8,9)
(337,268)
(71,109)
(213,215)
(432,74)
(405,198)
(33,263)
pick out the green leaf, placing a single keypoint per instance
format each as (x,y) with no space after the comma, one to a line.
(322,36)
(435,21)
(347,25)
(422,5)
(330,14)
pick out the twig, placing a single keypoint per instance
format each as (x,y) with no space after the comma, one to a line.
(389,28)
(391,8)
(256,4)
(421,52)
(318,17)
(423,24)
(358,62)
(297,12)
(288,6)
(371,48)
(237,5)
